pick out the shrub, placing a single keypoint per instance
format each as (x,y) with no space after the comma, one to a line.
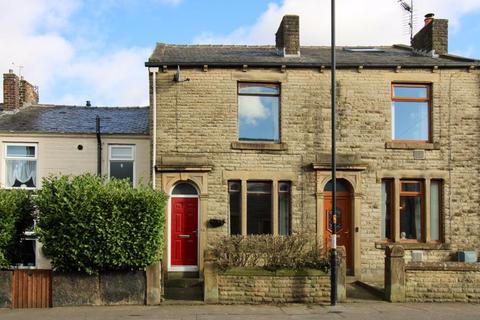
(269,252)
(16,215)
(90,224)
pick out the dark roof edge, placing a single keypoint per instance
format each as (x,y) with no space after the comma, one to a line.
(447,55)
(474,63)
(75,133)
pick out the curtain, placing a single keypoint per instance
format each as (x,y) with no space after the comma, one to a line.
(21,173)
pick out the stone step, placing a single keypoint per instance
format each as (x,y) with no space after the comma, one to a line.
(182,275)
(184,283)
(185,286)
(357,291)
(194,294)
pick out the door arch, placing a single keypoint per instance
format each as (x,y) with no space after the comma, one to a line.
(345,223)
(183,227)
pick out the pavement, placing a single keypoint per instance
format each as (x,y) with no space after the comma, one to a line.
(357,311)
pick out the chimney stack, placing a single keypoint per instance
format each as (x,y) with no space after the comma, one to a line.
(433,37)
(17,92)
(287,38)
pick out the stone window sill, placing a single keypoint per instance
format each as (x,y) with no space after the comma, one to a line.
(414,245)
(412,145)
(239,145)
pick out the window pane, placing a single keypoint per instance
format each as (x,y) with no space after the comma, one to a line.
(259,208)
(258,118)
(386,210)
(341,186)
(25,253)
(411,187)
(411,218)
(21,151)
(235,207)
(410,120)
(259,187)
(260,88)
(435,210)
(410,92)
(122,170)
(21,173)
(184,189)
(284,209)
(121,153)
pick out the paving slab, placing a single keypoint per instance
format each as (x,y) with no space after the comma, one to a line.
(357,311)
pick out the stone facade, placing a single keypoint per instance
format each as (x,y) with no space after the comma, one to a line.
(199,119)
(273,289)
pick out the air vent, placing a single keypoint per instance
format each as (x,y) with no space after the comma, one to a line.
(419,154)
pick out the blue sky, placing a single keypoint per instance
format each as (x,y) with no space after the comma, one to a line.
(77,50)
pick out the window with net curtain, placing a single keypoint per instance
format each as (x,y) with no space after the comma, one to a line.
(21,166)
(413,217)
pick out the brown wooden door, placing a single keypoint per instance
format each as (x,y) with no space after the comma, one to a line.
(344,224)
(32,288)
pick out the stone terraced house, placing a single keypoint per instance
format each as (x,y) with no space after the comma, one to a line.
(242,136)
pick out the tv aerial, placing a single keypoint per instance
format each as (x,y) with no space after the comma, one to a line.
(407,6)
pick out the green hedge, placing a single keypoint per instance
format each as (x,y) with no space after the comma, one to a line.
(16,214)
(90,224)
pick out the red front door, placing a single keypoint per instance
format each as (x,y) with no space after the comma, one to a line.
(184,231)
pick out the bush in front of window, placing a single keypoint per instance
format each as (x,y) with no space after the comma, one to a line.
(90,224)
(269,252)
(16,212)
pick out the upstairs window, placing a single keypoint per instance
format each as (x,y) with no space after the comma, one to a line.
(121,162)
(258,112)
(411,112)
(20,165)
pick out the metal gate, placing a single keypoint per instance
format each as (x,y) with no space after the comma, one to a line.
(32,289)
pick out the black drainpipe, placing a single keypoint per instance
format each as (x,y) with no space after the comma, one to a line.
(99,147)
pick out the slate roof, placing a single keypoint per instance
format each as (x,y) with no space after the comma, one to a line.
(234,55)
(73,119)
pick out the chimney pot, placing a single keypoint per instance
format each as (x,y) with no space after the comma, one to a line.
(287,38)
(428,18)
(88,103)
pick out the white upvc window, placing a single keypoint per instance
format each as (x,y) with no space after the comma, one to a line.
(21,165)
(121,162)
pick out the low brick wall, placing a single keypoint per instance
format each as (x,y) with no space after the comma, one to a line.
(113,288)
(275,288)
(6,278)
(442,282)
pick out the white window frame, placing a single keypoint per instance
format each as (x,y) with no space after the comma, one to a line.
(6,157)
(132,146)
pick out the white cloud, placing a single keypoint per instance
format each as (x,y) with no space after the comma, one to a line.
(31,34)
(252,109)
(373,22)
